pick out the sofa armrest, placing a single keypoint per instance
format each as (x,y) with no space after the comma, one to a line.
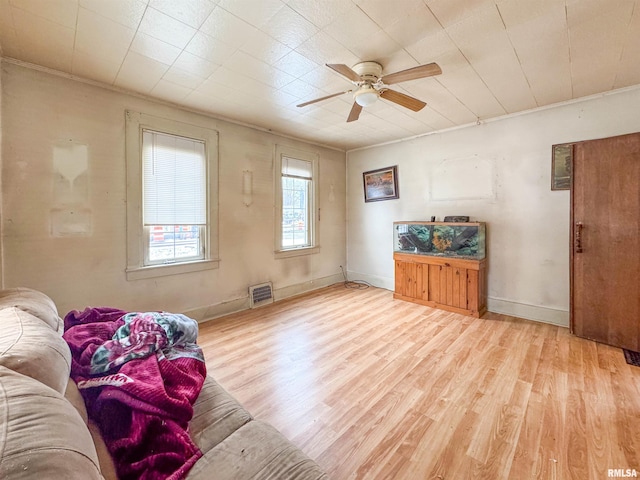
(41,434)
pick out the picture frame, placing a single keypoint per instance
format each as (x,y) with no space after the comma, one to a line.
(381,184)
(561,166)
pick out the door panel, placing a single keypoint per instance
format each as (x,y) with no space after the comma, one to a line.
(605,256)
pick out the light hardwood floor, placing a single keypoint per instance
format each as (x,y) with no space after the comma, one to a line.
(377,388)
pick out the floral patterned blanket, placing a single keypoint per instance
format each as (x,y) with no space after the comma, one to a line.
(144,334)
(139,374)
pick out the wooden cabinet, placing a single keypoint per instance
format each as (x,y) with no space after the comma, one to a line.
(457,285)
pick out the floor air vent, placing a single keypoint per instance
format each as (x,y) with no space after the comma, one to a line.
(260,295)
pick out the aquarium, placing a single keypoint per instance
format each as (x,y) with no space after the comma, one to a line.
(439,239)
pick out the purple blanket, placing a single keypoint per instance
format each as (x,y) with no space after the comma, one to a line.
(139,375)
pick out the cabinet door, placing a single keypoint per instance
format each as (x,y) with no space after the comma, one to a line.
(448,285)
(407,275)
(459,289)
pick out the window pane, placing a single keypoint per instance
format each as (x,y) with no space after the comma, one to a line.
(296,230)
(170,243)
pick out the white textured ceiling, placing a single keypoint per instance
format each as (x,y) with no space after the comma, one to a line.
(253,60)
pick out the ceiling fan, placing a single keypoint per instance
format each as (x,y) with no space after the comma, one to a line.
(367,76)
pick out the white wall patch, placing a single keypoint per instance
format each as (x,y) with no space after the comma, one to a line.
(470,178)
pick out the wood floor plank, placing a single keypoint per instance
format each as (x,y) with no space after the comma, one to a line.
(525,459)
(377,388)
(577,461)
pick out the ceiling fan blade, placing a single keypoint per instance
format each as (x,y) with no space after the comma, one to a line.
(421,71)
(344,71)
(322,98)
(403,100)
(354,114)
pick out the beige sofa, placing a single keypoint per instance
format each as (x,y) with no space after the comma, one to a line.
(45,432)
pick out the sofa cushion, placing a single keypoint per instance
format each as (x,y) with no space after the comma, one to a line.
(33,302)
(41,433)
(73,395)
(30,347)
(256,450)
(216,415)
(107,467)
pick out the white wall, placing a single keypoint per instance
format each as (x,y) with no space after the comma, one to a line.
(498,172)
(1,214)
(40,110)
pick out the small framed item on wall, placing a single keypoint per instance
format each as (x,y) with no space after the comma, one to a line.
(381,184)
(561,166)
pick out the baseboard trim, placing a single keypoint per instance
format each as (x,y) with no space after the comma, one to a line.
(375,280)
(304,287)
(203,314)
(210,312)
(554,316)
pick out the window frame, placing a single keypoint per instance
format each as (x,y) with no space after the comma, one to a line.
(135,123)
(282,151)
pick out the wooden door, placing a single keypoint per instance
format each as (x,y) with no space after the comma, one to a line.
(605,259)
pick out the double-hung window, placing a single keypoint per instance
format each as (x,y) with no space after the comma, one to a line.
(296,226)
(171,197)
(174,198)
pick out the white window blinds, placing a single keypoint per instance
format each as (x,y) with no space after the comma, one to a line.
(296,168)
(174,178)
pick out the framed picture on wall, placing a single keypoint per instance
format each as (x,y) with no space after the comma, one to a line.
(561,166)
(381,184)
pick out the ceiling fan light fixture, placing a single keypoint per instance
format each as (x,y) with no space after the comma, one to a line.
(367,77)
(366,96)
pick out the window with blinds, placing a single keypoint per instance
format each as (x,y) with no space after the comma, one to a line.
(174,197)
(297,182)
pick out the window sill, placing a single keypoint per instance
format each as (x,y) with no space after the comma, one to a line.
(140,273)
(296,252)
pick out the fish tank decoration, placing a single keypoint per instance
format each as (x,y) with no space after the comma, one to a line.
(441,239)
